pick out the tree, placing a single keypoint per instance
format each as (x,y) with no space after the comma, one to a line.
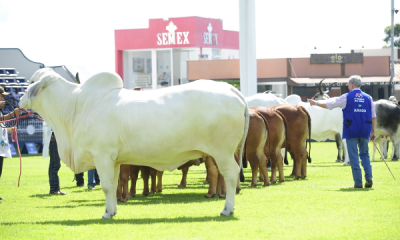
(396,40)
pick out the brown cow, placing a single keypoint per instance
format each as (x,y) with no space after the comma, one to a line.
(271,148)
(298,129)
(133,172)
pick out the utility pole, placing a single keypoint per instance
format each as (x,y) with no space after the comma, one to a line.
(247,48)
(391,88)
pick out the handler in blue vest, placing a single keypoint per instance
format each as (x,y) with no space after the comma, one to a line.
(359,120)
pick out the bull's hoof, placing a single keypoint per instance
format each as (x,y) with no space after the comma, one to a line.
(226,213)
(181,185)
(281,181)
(273,181)
(107,216)
(265,185)
(238,190)
(261,179)
(132,196)
(252,185)
(206,182)
(159,190)
(222,196)
(296,178)
(303,177)
(144,194)
(123,200)
(210,195)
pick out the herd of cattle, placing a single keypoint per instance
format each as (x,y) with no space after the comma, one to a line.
(176,127)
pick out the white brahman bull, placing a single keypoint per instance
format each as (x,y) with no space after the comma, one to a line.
(325,123)
(101,125)
(264,100)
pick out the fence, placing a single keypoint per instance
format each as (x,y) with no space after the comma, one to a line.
(29,130)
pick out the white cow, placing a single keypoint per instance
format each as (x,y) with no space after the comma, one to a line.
(324,123)
(264,100)
(101,125)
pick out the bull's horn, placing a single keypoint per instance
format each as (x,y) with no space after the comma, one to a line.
(319,87)
(77,78)
(329,89)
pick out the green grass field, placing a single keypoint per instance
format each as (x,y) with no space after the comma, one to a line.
(319,207)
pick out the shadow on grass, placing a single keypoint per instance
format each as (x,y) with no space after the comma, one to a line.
(158,198)
(134,221)
(355,189)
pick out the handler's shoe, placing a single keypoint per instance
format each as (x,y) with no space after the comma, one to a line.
(368,184)
(356,186)
(91,187)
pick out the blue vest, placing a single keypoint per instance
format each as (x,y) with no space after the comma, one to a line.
(357,116)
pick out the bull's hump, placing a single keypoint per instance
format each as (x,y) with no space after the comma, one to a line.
(103,81)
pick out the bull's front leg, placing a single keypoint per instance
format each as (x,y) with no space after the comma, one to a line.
(346,154)
(109,173)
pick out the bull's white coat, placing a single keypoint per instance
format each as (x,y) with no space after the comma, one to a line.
(98,124)
(264,100)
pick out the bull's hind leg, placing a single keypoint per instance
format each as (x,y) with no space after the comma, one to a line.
(184,177)
(279,161)
(263,168)
(134,172)
(159,180)
(212,171)
(109,173)
(297,162)
(303,173)
(254,163)
(230,170)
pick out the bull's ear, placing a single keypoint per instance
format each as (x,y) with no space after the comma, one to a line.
(37,87)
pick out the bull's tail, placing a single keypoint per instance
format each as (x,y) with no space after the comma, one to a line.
(309,133)
(244,159)
(268,137)
(246,125)
(285,124)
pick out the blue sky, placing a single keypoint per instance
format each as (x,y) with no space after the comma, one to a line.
(81,32)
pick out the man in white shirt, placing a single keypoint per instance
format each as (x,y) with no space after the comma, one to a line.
(165,78)
(359,120)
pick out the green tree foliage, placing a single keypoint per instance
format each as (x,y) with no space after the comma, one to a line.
(396,39)
(235,83)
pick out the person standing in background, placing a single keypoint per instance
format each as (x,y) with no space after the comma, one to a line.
(50,149)
(5,150)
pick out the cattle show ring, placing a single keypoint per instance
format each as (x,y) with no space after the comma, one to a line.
(213,164)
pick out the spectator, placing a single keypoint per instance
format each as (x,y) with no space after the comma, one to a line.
(165,79)
(50,148)
(80,182)
(4,145)
(15,96)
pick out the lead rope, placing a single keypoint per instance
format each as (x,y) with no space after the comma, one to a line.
(14,136)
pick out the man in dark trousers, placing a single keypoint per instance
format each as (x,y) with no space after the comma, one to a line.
(50,149)
(54,167)
(359,121)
